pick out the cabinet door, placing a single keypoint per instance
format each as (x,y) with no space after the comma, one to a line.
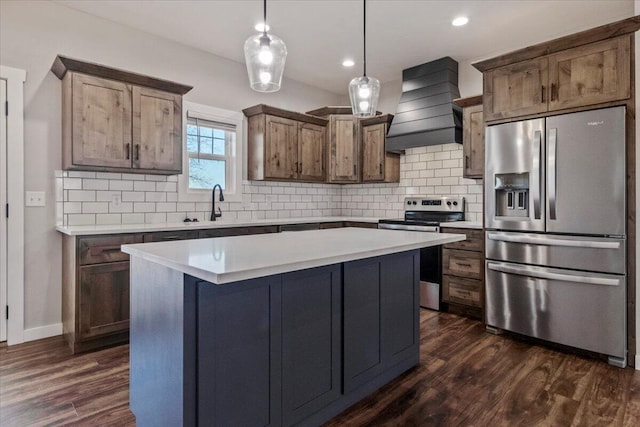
(516,90)
(473,142)
(311,341)
(311,146)
(373,157)
(157,130)
(104,299)
(281,148)
(590,74)
(101,129)
(380,320)
(344,164)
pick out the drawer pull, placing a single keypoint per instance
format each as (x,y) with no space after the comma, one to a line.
(101,249)
(464,264)
(171,238)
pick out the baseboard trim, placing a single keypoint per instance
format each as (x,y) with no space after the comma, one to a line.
(42,332)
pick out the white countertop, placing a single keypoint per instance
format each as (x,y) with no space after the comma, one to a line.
(85,230)
(477,225)
(230,259)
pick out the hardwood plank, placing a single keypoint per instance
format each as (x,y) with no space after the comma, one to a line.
(466,377)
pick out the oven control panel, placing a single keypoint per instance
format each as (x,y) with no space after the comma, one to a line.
(446,204)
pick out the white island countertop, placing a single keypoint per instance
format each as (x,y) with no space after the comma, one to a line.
(85,230)
(230,259)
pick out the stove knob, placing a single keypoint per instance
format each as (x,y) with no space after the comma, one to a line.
(414,203)
(448,203)
(455,203)
(409,203)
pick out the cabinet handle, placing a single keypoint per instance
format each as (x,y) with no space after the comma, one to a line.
(463,264)
(128,150)
(171,238)
(137,152)
(553,90)
(354,169)
(466,161)
(542,92)
(102,249)
(380,168)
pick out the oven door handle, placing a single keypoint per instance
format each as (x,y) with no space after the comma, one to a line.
(554,242)
(423,228)
(539,274)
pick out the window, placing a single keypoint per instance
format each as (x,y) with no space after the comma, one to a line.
(212,152)
(208,146)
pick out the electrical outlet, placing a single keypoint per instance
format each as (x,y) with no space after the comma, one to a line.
(35,198)
(116,200)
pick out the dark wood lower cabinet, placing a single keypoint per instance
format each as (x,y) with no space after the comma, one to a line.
(269,351)
(104,299)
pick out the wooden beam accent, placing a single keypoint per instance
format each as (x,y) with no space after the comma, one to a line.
(469,101)
(592,35)
(286,114)
(62,64)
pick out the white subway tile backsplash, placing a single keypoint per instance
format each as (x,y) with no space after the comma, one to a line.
(120,185)
(88,197)
(95,207)
(95,184)
(143,186)
(81,196)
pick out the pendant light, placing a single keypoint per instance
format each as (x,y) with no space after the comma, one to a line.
(364,91)
(265,55)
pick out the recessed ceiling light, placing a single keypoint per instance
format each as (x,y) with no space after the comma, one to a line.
(260,27)
(348,63)
(460,21)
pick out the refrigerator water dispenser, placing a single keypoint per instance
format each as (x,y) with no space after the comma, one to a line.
(512,195)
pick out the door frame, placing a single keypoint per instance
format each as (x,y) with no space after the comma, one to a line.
(15,198)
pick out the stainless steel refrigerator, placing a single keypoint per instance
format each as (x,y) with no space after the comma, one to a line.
(556,230)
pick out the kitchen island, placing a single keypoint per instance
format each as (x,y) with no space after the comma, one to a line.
(273,329)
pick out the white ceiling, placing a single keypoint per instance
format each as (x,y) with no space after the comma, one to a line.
(400,33)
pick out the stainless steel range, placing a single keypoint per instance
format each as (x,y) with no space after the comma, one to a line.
(425,214)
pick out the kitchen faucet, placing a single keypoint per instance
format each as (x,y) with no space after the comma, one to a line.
(215,214)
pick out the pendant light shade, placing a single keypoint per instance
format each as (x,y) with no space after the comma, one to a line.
(364,91)
(265,55)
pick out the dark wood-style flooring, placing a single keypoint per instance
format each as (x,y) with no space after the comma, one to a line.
(466,377)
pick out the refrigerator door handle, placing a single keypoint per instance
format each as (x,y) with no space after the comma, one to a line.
(535,174)
(530,272)
(553,175)
(554,242)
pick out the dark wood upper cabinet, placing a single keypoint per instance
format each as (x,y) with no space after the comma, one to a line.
(580,71)
(117,121)
(378,165)
(590,74)
(344,149)
(285,145)
(516,90)
(472,136)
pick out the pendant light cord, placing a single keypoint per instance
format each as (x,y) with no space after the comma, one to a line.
(364,36)
(264,22)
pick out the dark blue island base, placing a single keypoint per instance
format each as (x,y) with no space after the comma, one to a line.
(289,349)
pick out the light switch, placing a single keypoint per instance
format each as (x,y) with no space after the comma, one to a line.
(35,198)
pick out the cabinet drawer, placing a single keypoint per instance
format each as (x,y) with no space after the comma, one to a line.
(299,227)
(462,291)
(236,231)
(463,263)
(474,242)
(101,249)
(166,236)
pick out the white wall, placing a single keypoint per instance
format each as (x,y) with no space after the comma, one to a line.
(31,35)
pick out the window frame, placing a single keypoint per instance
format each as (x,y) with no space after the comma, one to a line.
(234,166)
